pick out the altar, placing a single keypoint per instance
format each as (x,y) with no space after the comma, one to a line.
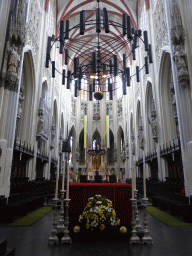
(91,175)
(118,193)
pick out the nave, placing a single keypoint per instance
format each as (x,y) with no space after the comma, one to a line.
(33,241)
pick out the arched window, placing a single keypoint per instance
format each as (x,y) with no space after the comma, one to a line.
(119,87)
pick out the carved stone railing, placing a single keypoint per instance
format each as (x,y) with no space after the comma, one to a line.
(44,156)
(170,148)
(23,147)
(150,156)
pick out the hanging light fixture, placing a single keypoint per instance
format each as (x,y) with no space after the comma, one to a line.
(99,64)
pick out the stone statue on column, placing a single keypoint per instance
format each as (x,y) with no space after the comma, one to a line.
(40,125)
(141,137)
(11,64)
(180,59)
(178,42)
(153,121)
(21,99)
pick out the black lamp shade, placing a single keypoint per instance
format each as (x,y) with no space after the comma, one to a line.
(94,85)
(98,24)
(146,40)
(106,20)
(124,63)
(111,92)
(133,52)
(76,66)
(68,79)
(53,69)
(146,66)
(137,73)
(61,37)
(75,93)
(150,54)
(90,92)
(63,77)
(129,36)
(66,56)
(82,22)
(124,24)
(115,65)
(67,30)
(128,76)
(98,95)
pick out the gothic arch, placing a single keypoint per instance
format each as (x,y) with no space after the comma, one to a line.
(139,130)
(26,100)
(167,100)
(150,107)
(62,126)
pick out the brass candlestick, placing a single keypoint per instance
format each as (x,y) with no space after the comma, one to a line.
(66,239)
(134,238)
(53,237)
(61,225)
(146,237)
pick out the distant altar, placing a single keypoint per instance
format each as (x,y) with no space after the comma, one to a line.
(91,175)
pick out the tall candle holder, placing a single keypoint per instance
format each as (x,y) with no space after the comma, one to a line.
(61,225)
(66,239)
(53,237)
(146,238)
(134,238)
(138,227)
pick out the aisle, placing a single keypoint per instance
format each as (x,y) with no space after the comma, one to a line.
(33,241)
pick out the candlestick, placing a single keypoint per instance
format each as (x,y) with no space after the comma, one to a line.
(56,189)
(67,195)
(63,178)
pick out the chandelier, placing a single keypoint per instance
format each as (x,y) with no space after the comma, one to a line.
(97,56)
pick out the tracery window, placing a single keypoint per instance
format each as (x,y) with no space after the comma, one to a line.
(143,16)
(84,88)
(50,18)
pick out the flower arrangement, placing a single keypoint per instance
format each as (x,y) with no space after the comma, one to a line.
(98,213)
(76,229)
(123,229)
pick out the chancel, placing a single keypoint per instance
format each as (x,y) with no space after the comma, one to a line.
(95,127)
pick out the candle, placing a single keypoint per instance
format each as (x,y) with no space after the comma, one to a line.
(56,189)
(132,183)
(67,195)
(63,178)
(144,182)
(134,176)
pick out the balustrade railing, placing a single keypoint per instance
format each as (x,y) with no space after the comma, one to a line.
(42,155)
(23,147)
(170,147)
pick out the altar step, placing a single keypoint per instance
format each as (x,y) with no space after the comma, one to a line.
(4,251)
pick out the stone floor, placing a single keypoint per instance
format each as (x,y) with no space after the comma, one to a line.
(33,241)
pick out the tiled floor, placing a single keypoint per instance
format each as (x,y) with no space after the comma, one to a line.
(33,241)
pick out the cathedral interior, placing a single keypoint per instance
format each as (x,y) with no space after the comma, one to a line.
(92,88)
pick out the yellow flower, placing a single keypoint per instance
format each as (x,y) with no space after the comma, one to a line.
(102,227)
(87,225)
(76,229)
(123,230)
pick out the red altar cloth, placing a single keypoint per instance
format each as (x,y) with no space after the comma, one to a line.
(118,193)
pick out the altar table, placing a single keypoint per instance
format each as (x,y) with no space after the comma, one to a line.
(118,193)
